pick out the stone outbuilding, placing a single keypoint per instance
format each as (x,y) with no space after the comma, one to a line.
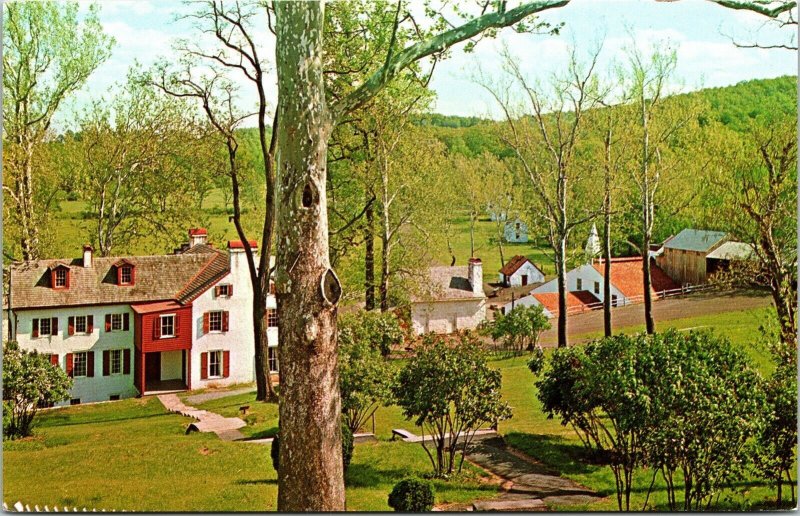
(452,300)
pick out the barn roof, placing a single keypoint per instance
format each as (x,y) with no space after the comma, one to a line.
(732,251)
(549,300)
(627,276)
(695,240)
(178,277)
(447,284)
(514,264)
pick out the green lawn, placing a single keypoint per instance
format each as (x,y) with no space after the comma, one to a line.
(133,455)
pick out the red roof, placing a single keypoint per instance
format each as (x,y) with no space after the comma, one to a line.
(198,231)
(238,244)
(580,298)
(158,306)
(514,264)
(627,276)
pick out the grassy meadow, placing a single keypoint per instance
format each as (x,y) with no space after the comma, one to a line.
(128,451)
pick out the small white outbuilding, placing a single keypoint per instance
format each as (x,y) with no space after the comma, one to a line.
(452,300)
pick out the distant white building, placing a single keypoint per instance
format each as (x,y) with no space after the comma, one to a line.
(515,231)
(520,271)
(452,300)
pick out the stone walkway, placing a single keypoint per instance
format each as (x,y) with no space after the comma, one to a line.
(530,480)
(215,395)
(408,437)
(227,428)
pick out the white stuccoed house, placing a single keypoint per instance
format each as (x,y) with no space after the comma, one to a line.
(127,326)
(452,300)
(520,271)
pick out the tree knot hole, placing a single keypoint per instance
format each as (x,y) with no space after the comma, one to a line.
(309,197)
(331,287)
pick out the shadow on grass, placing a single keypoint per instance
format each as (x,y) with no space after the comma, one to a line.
(367,475)
(264,434)
(54,420)
(555,452)
(265,481)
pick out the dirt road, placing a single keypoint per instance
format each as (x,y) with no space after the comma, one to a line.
(702,303)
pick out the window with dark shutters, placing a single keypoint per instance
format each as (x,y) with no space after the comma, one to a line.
(108,322)
(54,360)
(89,323)
(106,362)
(126,322)
(71,325)
(126,361)
(225,320)
(54,326)
(90,364)
(69,365)
(206,322)
(203,366)
(35,330)
(226,363)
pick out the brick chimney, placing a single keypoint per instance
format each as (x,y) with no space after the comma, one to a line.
(476,275)
(87,255)
(197,236)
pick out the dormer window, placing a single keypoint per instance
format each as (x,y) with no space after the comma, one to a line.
(126,273)
(59,277)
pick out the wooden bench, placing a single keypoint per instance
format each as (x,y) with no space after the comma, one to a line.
(243,410)
(402,434)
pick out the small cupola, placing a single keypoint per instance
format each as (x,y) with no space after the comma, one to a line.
(59,276)
(126,273)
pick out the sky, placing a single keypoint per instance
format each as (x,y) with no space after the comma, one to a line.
(700,32)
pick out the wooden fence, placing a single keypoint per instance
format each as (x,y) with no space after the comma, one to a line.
(635,300)
(19,507)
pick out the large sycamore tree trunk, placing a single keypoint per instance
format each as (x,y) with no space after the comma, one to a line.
(311,475)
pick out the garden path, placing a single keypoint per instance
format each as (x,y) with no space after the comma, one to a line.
(227,428)
(214,395)
(529,479)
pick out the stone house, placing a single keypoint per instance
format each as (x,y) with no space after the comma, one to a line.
(453,299)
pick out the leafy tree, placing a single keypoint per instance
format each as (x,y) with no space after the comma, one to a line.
(135,161)
(520,329)
(595,389)
(365,377)
(450,391)
(679,403)
(756,189)
(30,381)
(381,331)
(774,450)
(658,128)
(49,52)
(206,74)
(705,403)
(544,139)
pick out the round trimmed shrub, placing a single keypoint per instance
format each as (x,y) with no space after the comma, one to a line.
(412,495)
(347,448)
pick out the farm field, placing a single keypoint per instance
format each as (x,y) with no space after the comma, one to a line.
(137,448)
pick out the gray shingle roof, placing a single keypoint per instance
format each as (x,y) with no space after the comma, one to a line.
(695,240)
(179,277)
(448,283)
(732,251)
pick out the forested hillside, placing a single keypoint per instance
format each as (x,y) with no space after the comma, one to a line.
(732,106)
